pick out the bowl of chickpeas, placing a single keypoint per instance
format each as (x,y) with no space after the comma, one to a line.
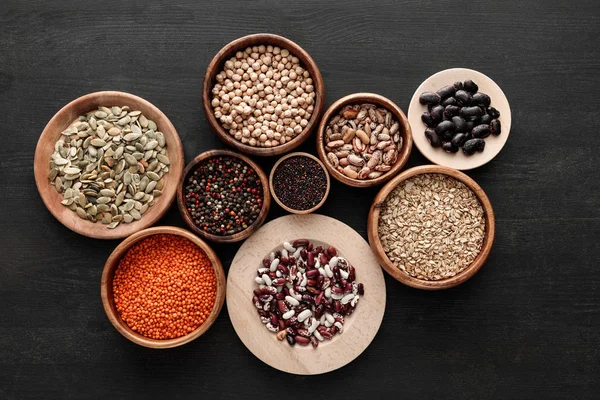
(263,94)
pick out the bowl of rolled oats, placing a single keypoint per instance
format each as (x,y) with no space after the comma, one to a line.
(263,94)
(431,227)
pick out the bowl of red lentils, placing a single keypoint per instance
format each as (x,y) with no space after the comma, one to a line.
(163,287)
(223,196)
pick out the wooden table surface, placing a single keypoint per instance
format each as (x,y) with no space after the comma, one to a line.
(526,326)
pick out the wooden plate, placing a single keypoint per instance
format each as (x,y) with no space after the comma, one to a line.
(493,144)
(66,116)
(359,329)
(106,289)
(397,273)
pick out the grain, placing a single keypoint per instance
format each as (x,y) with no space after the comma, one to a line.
(432,226)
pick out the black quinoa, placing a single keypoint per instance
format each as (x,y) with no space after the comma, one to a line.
(299,182)
(223,195)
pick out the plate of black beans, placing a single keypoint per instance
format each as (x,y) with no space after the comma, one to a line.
(460,118)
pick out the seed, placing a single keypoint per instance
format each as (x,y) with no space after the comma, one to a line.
(299,182)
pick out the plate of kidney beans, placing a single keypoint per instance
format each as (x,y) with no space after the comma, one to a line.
(460,118)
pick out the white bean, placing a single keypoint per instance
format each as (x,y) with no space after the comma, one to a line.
(344,274)
(259,280)
(288,314)
(329,318)
(333,262)
(274,265)
(267,280)
(292,300)
(318,336)
(304,314)
(328,271)
(347,298)
(289,247)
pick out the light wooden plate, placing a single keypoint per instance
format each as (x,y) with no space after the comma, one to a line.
(359,329)
(66,116)
(493,144)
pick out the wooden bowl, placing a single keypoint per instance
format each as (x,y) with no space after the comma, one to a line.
(66,116)
(381,101)
(106,289)
(236,237)
(291,210)
(397,273)
(216,66)
(493,144)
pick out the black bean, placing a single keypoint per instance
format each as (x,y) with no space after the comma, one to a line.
(446,91)
(470,112)
(463,97)
(445,126)
(433,137)
(290,339)
(459,85)
(459,139)
(429,98)
(426,118)
(471,86)
(473,145)
(470,126)
(451,111)
(460,125)
(447,136)
(493,112)
(495,127)
(481,99)
(485,119)
(449,147)
(481,131)
(437,113)
(450,101)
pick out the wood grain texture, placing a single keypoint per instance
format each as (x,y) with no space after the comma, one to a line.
(402,276)
(240,44)
(63,119)
(108,274)
(525,326)
(405,133)
(359,328)
(236,237)
(272,188)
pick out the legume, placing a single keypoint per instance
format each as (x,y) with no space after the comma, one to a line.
(263,97)
(224,195)
(164,287)
(305,292)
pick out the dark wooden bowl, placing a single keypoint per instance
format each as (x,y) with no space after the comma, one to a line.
(282,205)
(106,288)
(66,116)
(397,273)
(216,65)
(381,101)
(228,238)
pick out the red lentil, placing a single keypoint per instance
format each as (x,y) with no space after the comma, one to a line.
(164,287)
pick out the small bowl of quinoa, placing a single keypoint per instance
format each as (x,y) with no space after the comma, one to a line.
(263,94)
(223,196)
(431,227)
(162,287)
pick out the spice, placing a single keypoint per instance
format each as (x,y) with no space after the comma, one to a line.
(432,226)
(362,141)
(263,97)
(305,292)
(299,182)
(459,116)
(109,165)
(223,195)
(164,287)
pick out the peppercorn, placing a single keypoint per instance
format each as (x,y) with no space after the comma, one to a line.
(223,195)
(164,287)
(299,182)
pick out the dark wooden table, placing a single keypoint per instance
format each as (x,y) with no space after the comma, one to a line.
(526,326)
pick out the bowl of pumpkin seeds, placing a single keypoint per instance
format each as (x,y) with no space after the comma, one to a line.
(108,164)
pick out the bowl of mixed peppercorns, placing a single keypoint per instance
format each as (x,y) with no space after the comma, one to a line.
(223,196)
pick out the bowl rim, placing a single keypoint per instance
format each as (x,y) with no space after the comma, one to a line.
(384,102)
(214,67)
(236,237)
(111,265)
(405,278)
(272,189)
(98,230)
